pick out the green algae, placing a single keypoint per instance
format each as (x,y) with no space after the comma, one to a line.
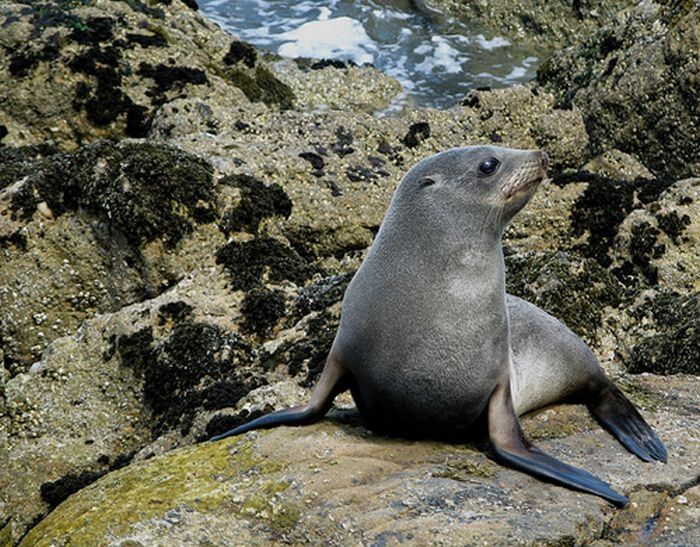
(198,477)
(261,85)
(462,470)
(281,516)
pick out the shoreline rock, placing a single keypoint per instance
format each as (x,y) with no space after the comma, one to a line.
(161,289)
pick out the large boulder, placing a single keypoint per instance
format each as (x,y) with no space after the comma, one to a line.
(636,81)
(97,68)
(335,483)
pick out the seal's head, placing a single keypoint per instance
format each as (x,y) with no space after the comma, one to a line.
(478,186)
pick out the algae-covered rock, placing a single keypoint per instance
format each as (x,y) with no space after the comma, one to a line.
(98,229)
(97,68)
(576,291)
(659,243)
(336,483)
(667,339)
(635,81)
(150,371)
(159,291)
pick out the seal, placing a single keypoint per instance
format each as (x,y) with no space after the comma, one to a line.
(429,343)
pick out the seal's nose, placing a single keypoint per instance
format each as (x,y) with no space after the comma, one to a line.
(545,159)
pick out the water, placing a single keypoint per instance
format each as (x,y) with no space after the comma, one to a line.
(437,59)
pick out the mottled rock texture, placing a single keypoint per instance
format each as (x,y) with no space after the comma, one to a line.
(337,483)
(180,215)
(539,21)
(636,80)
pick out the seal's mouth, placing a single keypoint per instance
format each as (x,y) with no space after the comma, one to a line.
(523,186)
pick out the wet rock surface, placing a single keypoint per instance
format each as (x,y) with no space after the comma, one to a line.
(179,218)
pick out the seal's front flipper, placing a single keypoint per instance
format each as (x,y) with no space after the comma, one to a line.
(619,416)
(512,447)
(332,382)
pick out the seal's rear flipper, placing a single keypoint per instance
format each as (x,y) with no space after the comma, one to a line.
(619,416)
(331,383)
(511,446)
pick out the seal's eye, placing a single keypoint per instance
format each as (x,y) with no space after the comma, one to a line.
(489,166)
(426,181)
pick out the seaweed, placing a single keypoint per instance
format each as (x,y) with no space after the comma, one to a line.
(240,51)
(148,191)
(258,201)
(247,262)
(262,308)
(417,133)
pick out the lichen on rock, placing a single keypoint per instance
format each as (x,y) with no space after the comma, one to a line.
(161,290)
(634,80)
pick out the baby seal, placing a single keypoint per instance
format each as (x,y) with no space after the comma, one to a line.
(430,343)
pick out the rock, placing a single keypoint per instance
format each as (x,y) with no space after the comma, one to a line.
(546,223)
(679,521)
(635,81)
(334,482)
(99,229)
(99,68)
(614,164)
(189,280)
(665,336)
(125,379)
(573,290)
(338,86)
(659,242)
(545,24)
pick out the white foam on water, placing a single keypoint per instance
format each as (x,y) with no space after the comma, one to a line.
(422,49)
(401,73)
(517,73)
(339,37)
(432,59)
(493,43)
(216,3)
(443,58)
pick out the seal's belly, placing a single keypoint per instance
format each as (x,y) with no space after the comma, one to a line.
(420,404)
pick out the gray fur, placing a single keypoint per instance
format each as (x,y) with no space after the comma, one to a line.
(424,325)
(429,341)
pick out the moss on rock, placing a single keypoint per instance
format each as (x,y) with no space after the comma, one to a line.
(248,263)
(262,308)
(261,85)
(574,290)
(634,81)
(147,191)
(198,478)
(197,365)
(465,470)
(18,162)
(600,210)
(675,347)
(258,201)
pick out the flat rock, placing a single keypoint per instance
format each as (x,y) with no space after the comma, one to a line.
(337,483)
